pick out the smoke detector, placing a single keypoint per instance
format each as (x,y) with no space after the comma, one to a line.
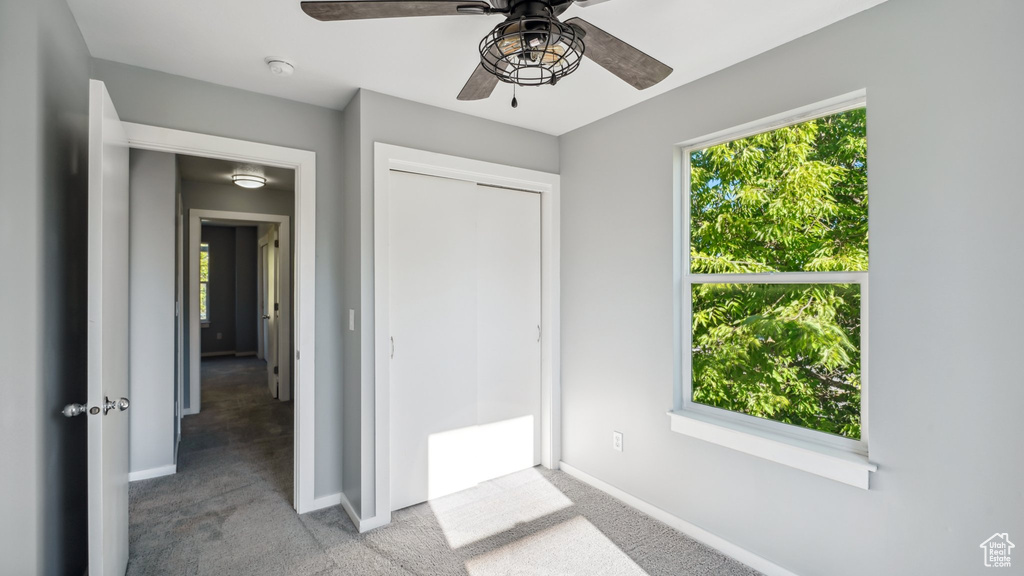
(279,66)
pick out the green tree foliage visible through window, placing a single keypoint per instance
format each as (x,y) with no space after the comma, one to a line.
(204,281)
(793,199)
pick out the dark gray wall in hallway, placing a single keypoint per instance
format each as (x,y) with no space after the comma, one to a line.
(218,335)
(44,87)
(246,312)
(232,290)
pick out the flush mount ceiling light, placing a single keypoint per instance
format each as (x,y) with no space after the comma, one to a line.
(531,47)
(248,180)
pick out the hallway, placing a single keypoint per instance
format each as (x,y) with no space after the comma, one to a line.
(234,479)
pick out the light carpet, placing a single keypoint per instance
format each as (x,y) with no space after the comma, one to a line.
(228,511)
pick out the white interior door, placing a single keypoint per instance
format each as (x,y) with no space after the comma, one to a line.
(107,336)
(270,313)
(508,330)
(261,328)
(433,326)
(464,311)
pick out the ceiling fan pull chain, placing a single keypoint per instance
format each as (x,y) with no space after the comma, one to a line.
(515,103)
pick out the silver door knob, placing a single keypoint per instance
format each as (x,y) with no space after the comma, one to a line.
(109,405)
(72,410)
(266,316)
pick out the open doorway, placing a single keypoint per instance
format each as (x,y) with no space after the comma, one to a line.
(239,306)
(296,219)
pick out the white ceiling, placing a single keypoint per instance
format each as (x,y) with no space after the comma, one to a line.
(429,59)
(213,171)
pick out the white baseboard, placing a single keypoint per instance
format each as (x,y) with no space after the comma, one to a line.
(361,524)
(153,473)
(213,354)
(324,502)
(343,500)
(699,534)
(340,499)
(367,524)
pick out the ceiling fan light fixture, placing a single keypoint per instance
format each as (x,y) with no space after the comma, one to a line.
(532,50)
(248,180)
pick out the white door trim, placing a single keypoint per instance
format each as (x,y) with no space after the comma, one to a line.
(303,162)
(260,243)
(179,315)
(387,158)
(195,219)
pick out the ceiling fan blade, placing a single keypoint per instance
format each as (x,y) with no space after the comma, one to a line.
(586,3)
(366,9)
(480,84)
(638,69)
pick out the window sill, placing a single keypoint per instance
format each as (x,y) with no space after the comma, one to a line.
(836,464)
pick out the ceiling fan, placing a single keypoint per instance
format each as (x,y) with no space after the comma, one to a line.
(530,48)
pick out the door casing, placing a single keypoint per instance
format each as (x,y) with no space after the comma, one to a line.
(303,162)
(388,158)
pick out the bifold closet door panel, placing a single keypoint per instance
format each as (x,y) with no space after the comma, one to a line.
(433,321)
(508,330)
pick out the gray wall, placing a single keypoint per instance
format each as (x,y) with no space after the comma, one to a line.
(232,290)
(246,310)
(159,99)
(218,335)
(152,269)
(944,81)
(352,436)
(230,198)
(44,87)
(380,118)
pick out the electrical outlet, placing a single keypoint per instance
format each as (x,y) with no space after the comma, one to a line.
(219,335)
(617,441)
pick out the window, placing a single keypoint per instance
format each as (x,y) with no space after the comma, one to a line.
(774,279)
(204,282)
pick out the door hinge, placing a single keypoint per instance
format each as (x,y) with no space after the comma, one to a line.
(275,370)
(277,244)
(277,306)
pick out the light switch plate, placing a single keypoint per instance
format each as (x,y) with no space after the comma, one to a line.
(351,320)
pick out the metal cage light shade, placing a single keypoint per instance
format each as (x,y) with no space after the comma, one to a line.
(532,50)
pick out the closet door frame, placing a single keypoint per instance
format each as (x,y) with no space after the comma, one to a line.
(388,158)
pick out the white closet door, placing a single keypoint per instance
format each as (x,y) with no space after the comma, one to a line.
(433,310)
(508,330)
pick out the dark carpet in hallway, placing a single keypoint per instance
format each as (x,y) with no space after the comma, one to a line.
(228,511)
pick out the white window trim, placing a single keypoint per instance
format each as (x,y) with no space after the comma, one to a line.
(831,456)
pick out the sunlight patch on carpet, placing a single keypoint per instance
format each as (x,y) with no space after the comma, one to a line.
(573,548)
(473,515)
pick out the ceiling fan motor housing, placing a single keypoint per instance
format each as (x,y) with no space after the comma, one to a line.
(532,47)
